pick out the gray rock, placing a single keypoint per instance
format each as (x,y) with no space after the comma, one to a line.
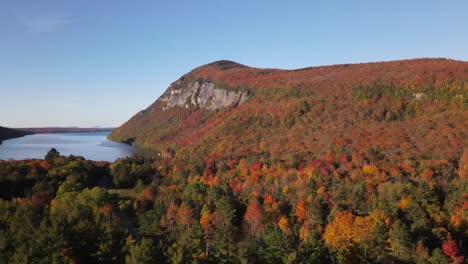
(201,94)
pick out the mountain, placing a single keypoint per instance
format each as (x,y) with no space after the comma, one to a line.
(399,109)
(8,133)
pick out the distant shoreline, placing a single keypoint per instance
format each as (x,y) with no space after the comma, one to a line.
(46,130)
(10,133)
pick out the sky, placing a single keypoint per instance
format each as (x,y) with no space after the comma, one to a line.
(94,63)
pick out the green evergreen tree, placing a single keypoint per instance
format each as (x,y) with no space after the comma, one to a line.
(312,250)
(437,257)
(141,252)
(51,155)
(400,241)
(177,252)
(139,186)
(273,245)
(379,250)
(417,216)
(223,245)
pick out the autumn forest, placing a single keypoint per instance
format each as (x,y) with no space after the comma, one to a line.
(355,163)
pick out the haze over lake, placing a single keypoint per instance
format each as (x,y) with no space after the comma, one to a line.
(90,145)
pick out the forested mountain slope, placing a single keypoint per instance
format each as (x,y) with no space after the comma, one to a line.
(401,109)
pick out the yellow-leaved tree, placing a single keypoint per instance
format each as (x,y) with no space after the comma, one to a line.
(346,232)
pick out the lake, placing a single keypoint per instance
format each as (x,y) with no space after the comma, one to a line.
(90,145)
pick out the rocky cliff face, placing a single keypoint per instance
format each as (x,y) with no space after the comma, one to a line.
(185,102)
(201,94)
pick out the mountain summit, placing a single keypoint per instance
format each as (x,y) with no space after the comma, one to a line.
(224,65)
(401,108)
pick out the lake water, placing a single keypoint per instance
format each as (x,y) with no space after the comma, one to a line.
(91,145)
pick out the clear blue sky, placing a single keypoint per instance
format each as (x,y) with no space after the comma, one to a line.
(98,62)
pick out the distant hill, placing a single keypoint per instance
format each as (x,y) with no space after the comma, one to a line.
(8,133)
(399,109)
(41,130)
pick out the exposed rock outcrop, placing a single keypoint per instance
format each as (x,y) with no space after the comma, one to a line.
(201,94)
